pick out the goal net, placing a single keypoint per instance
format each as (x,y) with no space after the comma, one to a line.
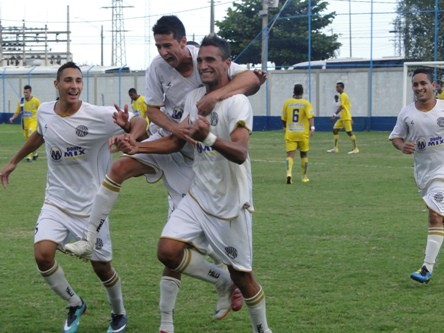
(436,67)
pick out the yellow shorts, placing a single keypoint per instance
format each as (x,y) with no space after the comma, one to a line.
(346,124)
(302,145)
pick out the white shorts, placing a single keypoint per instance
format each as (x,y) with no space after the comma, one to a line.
(175,168)
(59,227)
(231,240)
(433,196)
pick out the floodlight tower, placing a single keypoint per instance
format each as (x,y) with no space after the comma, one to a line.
(118,53)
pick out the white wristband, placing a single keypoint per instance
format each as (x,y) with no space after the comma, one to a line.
(209,140)
(334,115)
(312,128)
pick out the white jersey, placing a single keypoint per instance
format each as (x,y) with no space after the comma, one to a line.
(426,129)
(78,154)
(165,86)
(221,188)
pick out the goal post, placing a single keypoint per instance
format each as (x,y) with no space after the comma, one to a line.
(437,68)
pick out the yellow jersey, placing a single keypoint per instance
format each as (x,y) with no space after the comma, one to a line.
(344,101)
(29,115)
(139,107)
(296,114)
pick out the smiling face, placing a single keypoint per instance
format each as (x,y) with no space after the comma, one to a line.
(213,69)
(69,85)
(423,88)
(171,50)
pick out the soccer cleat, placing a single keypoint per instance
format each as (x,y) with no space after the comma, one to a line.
(305,179)
(354,151)
(333,150)
(82,249)
(422,275)
(73,320)
(289,180)
(29,159)
(229,299)
(118,323)
(35,157)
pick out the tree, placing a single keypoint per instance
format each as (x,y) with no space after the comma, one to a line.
(415,22)
(288,38)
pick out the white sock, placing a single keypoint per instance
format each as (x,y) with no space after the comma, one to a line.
(55,278)
(258,314)
(113,288)
(103,204)
(169,288)
(434,241)
(195,265)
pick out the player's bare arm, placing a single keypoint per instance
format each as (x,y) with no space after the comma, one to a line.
(32,144)
(165,145)
(246,82)
(405,147)
(235,150)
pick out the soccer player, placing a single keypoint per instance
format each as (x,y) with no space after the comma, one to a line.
(344,121)
(27,108)
(439,93)
(298,120)
(419,131)
(138,104)
(75,134)
(170,76)
(217,209)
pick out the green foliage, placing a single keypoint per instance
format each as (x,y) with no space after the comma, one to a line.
(333,255)
(416,24)
(288,38)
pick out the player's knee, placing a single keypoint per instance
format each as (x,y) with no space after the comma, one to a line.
(168,254)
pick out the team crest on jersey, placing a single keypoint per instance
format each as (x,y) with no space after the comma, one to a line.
(231,252)
(81,131)
(214,119)
(438,197)
(440,122)
(177,113)
(56,153)
(99,243)
(421,144)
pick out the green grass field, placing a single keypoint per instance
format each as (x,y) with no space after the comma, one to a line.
(333,255)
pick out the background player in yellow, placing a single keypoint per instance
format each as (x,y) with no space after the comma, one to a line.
(439,93)
(138,104)
(298,120)
(344,121)
(27,108)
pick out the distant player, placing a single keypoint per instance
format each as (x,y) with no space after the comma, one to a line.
(27,108)
(138,104)
(344,121)
(298,120)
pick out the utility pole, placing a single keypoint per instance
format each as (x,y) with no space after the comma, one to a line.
(264,14)
(118,53)
(212,17)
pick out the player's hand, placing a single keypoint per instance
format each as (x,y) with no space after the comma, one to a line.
(409,147)
(121,116)
(5,172)
(206,104)
(261,75)
(127,144)
(182,130)
(200,129)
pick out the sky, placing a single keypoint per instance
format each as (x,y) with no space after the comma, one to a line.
(88,17)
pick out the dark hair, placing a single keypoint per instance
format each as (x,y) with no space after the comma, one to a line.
(423,70)
(169,24)
(27,87)
(298,89)
(341,84)
(69,64)
(132,90)
(192,42)
(220,43)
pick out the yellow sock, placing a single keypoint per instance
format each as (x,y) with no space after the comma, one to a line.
(289,166)
(336,140)
(304,166)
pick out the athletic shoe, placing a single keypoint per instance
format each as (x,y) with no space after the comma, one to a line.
(118,323)
(354,151)
(289,180)
(35,157)
(82,249)
(305,179)
(29,159)
(422,275)
(333,150)
(229,299)
(73,321)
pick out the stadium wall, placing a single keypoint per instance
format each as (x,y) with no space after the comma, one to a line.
(376,95)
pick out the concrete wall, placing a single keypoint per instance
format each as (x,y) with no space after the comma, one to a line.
(376,99)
